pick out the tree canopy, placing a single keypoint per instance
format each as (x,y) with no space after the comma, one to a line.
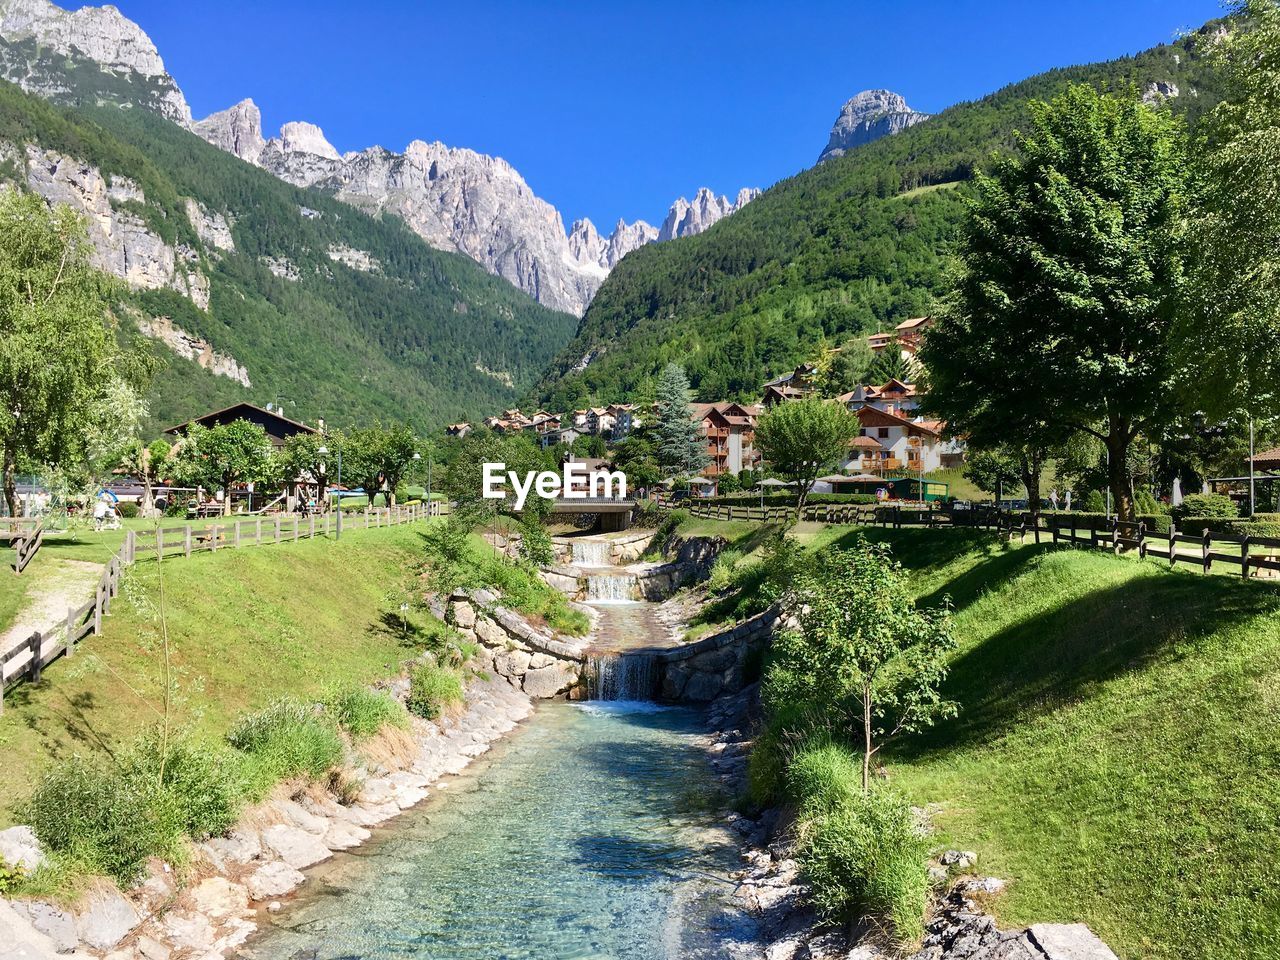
(801,438)
(1071,266)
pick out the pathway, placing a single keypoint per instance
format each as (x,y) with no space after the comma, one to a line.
(62,585)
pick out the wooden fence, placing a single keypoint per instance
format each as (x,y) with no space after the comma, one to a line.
(26,534)
(27,659)
(1253,556)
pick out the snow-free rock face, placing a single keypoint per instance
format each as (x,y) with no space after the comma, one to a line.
(237,129)
(868,116)
(37,33)
(687,218)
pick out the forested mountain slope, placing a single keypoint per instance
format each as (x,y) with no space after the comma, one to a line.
(287,293)
(857,242)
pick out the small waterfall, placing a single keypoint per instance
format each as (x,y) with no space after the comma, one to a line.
(591,553)
(622,676)
(612,588)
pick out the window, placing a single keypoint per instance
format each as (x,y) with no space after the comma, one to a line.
(882,432)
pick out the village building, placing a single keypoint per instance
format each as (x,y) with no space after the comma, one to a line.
(901,443)
(457,430)
(278,427)
(729,429)
(906,336)
(624,420)
(790,386)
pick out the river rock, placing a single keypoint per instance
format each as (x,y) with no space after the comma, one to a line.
(218,897)
(20,848)
(56,924)
(296,815)
(238,846)
(295,846)
(343,836)
(512,663)
(546,682)
(464,615)
(273,879)
(152,949)
(1069,941)
(184,930)
(105,918)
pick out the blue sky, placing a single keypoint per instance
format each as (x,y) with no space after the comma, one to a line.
(614,109)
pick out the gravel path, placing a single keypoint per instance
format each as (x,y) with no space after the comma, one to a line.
(62,585)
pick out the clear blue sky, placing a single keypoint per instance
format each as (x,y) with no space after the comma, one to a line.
(614,109)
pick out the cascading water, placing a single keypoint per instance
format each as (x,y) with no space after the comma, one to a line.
(622,676)
(612,588)
(591,553)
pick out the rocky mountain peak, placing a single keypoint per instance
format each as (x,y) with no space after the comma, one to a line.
(868,116)
(100,34)
(237,130)
(686,218)
(586,244)
(298,136)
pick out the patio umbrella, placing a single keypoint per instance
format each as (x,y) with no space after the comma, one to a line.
(774,482)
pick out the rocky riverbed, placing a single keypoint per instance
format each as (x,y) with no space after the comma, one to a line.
(260,863)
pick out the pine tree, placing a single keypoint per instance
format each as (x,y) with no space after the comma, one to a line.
(680,447)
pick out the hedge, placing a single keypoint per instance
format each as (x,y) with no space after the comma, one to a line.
(787,499)
(1156,522)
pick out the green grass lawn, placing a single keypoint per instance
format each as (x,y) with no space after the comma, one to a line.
(244,626)
(1117,754)
(13,590)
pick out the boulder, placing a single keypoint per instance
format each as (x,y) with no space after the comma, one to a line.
(344,835)
(298,816)
(490,633)
(238,846)
(218,897)
(151,949)
(273,879)
(20,848)
(295,846)
(512,663)
(188,931)
(105,919)
(464,615)
(58,925)
(546,682)
(1069,941)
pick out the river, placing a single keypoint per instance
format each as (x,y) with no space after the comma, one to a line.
(589,834)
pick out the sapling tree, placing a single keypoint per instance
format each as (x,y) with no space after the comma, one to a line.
(801,438)
(150,462)
(862,647)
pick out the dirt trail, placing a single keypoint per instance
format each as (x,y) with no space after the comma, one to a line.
(61,586)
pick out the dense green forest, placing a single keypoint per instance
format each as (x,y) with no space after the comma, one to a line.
(850,246)
(404,342)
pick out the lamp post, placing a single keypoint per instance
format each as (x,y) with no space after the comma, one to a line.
(324,452)
(417,459)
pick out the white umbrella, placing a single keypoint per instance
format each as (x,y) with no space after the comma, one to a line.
(773,482)
(700,481)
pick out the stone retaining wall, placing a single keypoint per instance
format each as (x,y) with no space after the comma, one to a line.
(715,665)
(536,662)
(692,562)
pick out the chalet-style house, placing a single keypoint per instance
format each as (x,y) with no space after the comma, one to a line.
(729,429)
(278,427)
(901,443)
(790,386)
(893,397)
(457,430)
(906,336)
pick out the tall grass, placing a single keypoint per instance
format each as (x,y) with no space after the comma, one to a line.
(288,738)
(433,689)
(362,712)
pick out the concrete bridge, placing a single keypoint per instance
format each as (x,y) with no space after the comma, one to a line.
(614,512)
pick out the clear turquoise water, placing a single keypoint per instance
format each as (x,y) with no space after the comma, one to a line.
(589,835)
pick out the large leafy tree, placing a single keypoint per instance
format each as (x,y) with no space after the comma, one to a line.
(224,456)
(679,443)
(1071,270)
(58,351)
(1231,325)
(801,438)
(377,457)
(862,648)
(149,463)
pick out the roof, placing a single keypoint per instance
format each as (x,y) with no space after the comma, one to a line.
(222,416)
(864,442)
(1268,458)
(914,324)
(872,416)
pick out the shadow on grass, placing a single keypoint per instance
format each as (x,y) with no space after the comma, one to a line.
(1049,660)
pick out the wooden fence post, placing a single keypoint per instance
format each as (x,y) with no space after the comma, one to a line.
(326,524)
(1244,557)
(277,528)
(257,532)
(71,626)
(213,538)
(311,526)
(1173,545)
(34,643)
(97,610)
(1205,559)
(295,529)
(1142,539)
(186,540)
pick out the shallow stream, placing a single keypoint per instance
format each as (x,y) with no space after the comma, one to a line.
(590,834)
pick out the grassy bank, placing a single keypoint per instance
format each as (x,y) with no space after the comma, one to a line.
(1115,753)
(244,627)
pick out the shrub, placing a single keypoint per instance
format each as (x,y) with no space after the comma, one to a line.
(433,689)
(128,511)
(1156,522)
(1095,502)
(1205,505)
(288,738)
(363,712)
(723,570)
(864,858)
(823,777)
(535,544)
(1262,525)
(198,787)
(93,814)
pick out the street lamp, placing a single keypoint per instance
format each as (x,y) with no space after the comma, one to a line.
(324,452)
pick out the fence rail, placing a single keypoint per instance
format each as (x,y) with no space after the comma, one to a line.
(28,658)
(1253,556)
